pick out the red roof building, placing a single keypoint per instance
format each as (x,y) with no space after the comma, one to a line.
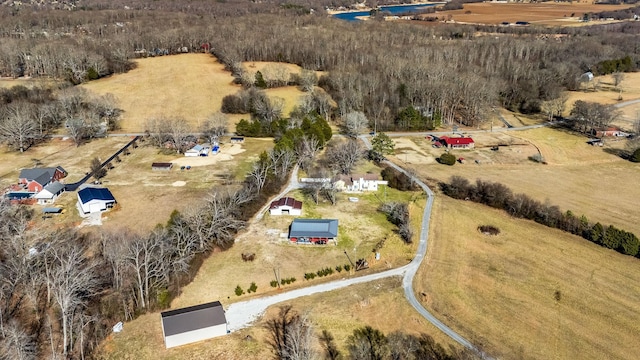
(286,206)
(457,143)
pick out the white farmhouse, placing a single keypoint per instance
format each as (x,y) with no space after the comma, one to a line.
(50,193)
(358,183)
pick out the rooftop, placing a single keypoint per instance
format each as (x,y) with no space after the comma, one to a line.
(90,193)
(314,228)
(192,318)
(286,201)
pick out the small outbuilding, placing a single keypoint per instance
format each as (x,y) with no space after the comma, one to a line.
(192,324)
(95,200)
(197,150)
(237,139)
(161,166)
(286,206)
(316,231)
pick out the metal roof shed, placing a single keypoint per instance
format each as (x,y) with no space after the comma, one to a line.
(192,324)
(314,228)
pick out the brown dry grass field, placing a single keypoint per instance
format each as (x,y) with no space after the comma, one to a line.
(190,86)
(145,197)
(581,178)
(547,13)
(339,311)
(500,291)
(361,227)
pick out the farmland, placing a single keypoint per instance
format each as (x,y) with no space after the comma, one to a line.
(361,228)
(530,292)
(547,13)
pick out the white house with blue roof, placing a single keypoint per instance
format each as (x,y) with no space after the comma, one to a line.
(94,200)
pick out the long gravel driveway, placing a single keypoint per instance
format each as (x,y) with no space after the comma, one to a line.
(243,314)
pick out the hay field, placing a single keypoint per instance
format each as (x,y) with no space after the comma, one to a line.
(190,86)
(500,291)
(579,177)
(361,227)
(546,13)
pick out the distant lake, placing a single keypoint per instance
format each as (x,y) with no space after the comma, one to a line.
(393,10)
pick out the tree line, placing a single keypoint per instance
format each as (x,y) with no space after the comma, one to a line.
(446,71)
(62,290)
(499,196)
(293,336)
(29,116)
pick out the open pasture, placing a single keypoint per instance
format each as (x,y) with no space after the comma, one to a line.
(189,86)
(145,197)
(546,13)
(529,292)
(578,177)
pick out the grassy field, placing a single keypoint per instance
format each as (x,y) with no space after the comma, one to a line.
(339,311)
(529,292)
(361,227)
(547,13)
(145,197)
(190,86)
(581,178)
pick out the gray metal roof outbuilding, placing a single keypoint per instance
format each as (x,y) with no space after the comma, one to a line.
(314,228)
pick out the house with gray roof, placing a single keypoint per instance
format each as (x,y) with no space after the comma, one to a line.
(37,178)
(50,193)
(191,324)
(313,231)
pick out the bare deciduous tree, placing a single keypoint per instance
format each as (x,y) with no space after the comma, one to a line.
(214,126)
(344,156)
(16,343)
(18,127)
(73,282)
(307,80)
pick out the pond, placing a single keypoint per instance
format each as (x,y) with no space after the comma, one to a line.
(393,10)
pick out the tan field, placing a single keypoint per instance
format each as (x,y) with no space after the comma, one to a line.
(189,86)
(547,13)
(530,292)
(361,227)
(145,197)
(579,177)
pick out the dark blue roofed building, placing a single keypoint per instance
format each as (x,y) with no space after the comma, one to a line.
(316,231)
(94,200)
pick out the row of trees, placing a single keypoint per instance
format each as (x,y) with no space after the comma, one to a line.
(28,116)
(445,71)
(293,336)
(499,196)
(60,291)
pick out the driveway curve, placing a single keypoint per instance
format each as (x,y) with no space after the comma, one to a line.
(243,314)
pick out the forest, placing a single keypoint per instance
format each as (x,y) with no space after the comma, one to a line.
(60,296)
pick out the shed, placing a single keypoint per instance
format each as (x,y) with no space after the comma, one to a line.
(286,206)
(192,324)
(95,200)
(237,139)
(197,150)
(52,210)
(161,166)
(317,231)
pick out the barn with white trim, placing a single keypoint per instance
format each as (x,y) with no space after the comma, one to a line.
(95,200)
